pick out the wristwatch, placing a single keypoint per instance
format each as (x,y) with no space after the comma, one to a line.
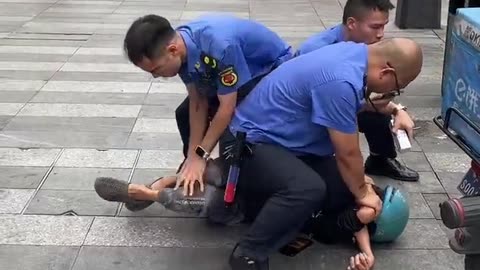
(201,152)
(398,108)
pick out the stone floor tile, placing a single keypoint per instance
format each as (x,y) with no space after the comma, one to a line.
(10,108)
(55,139)
(101,76)
(143,258)
(97,159)
(32,66)
(16,96)
(72,124)
(37,50)
(27,157)
(438,144)
(168,88)
(416,161)
(162,159)
(79,110)
(154,141)
(163,111)
(328,258)
(162,99)
(20,85)
(428,183)
(37,257)
(21,177)
(449,162)
(83,203)
(43,230)
(100,51)
(95,67)
(433,201)
(80,178)
(22,74)
(101,59)
(97,86)
(123,98)
(450,180)
(418,206)
(12,201)
(156,125)
(4,120)
(164,232)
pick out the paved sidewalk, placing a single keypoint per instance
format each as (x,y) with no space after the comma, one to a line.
(72,108)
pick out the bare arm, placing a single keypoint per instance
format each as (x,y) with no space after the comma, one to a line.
(220,121)
(383,107)
(350,161)
(198,112)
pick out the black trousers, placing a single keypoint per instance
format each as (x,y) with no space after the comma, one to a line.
(376,127)
(182,113)
(286,190)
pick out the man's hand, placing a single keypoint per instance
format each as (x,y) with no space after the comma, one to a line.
(191,172)
(370,199)
(403,121)
(361,262)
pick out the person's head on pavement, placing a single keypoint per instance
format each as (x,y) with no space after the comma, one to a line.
(392,65)
(365,20)
(152,44)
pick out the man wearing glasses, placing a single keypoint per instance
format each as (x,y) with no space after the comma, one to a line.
(301,124)
(364,22)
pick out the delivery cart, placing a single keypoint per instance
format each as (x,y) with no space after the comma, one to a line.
(460,121)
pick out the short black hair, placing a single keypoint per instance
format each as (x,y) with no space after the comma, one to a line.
(146,36)
(356,8)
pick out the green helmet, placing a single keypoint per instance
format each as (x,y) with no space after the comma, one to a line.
(393,219)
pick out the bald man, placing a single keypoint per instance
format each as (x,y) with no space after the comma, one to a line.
(301,123)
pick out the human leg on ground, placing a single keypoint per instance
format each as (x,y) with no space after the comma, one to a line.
(382,159)
(292,187)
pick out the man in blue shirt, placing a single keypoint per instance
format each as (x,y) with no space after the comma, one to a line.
(301,122)
(364,21)
(219,58)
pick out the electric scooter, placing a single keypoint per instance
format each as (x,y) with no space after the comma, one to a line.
(462,126)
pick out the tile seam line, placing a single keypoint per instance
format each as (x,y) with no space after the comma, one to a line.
(44,178)
(129,180)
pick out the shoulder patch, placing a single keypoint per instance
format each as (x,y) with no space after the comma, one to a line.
(228,77)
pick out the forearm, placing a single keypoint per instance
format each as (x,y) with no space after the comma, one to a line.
(351,169)
(386,109)
(198,122)
(220,122)
(363,241)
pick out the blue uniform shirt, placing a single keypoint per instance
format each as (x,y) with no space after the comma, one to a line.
(295,104)
(225,52)
(327,37)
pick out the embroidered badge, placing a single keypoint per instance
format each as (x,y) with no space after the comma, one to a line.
(209,61)
(228,77)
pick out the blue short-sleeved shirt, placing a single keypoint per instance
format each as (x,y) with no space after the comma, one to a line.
(327,37)
(295,104)
(225,52)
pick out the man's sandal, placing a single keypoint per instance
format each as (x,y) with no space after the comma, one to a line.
(114,190)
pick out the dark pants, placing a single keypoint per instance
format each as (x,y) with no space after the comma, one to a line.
(182,114)
(292,189)
(376,127)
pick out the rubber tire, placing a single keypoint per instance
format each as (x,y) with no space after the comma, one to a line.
(472,262)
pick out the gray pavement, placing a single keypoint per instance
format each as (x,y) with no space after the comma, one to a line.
(72,108)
